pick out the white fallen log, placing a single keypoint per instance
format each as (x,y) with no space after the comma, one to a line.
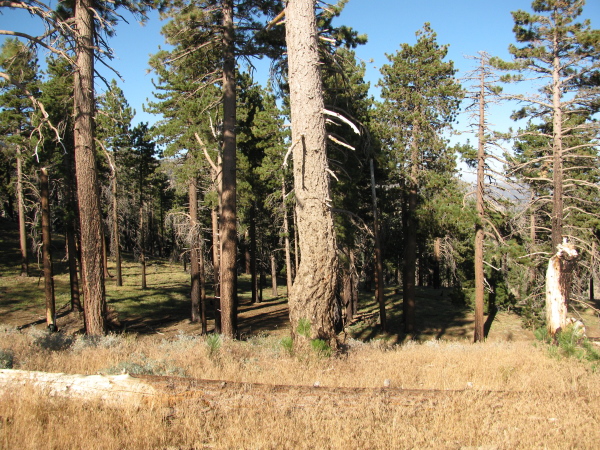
(558,286)
(112,389)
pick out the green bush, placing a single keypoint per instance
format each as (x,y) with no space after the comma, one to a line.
(213,343)
(54,341)
(288,344)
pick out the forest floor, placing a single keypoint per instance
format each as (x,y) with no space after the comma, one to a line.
(163,309)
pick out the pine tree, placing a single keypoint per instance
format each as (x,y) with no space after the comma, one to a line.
(420,99)
(313,293)
(563,53)
(20,65)
(113,128)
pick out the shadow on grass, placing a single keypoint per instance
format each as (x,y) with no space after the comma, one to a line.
(436,317)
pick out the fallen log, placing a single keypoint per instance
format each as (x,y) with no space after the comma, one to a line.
(166,391)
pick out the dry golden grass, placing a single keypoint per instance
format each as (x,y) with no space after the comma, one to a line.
(492,395)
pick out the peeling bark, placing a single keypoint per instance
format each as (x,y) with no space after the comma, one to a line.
(558,285)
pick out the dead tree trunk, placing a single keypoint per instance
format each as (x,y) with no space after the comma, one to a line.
(46,253)
(313,293)
(479,232)
(558,286)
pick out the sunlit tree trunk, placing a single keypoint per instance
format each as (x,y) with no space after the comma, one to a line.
(228,188)
(313,292)
(87,177)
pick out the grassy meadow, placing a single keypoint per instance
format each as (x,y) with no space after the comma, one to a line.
(436,390)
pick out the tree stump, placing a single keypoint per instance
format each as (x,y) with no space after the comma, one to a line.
(558,286)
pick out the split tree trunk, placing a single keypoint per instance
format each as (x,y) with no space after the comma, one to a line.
(228,191)
(46,252)
(87,176)
(558,286)
(313,292)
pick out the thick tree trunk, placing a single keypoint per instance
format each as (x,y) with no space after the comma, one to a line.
(46,252)
(479,232)
(21,212)
(558,287)
(228,192)
(378,254)
(87,177)
(194,253)
(286,232)
(313,292)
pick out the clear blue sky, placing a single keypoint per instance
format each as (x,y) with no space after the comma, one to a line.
(468,26)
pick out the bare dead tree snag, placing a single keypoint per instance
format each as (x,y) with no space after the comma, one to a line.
(558,286)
